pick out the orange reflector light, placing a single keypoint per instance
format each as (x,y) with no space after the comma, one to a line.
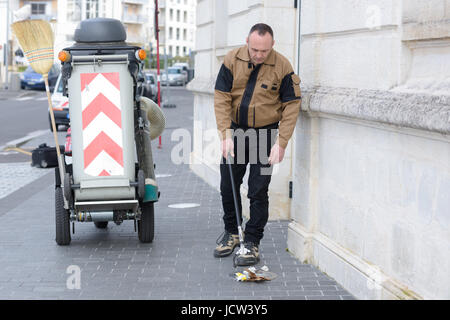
(64,56)
(141,54)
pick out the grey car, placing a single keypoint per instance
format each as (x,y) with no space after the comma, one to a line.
(151,86)
(176,76)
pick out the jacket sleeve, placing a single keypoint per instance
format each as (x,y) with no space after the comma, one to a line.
(290,97)
(222,98)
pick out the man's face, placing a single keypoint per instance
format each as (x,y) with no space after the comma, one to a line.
(259,47)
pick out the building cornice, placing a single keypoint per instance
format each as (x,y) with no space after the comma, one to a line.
(414,110)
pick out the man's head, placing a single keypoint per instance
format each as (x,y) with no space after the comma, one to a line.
(260,42)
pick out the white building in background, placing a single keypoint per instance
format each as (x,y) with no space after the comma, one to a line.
(5,35)
(177,22)
(64,16)
(132,13)
(177,25)
(369,161)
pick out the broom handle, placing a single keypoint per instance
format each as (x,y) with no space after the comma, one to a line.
(55,135)
(52,115)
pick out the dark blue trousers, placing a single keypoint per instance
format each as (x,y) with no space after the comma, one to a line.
(251,148)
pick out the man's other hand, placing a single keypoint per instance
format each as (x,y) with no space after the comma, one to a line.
(227,147)
(276,154)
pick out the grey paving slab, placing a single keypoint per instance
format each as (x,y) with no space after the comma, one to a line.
(113,264)
(16,175)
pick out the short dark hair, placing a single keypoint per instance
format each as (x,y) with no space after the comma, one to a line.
(262,29)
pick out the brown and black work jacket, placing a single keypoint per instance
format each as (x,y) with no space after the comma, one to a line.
(256,96)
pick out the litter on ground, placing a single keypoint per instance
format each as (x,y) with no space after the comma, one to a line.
(254,275)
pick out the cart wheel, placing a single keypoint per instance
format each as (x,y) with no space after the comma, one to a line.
(101,224)
(62,219)
(146,225)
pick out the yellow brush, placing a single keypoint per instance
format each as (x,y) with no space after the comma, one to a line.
(36,39)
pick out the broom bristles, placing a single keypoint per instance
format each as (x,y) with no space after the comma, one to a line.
(36,39)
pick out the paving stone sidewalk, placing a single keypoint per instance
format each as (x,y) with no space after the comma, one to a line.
(16,175)
(179,264)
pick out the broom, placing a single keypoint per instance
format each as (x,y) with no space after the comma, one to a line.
(36,39)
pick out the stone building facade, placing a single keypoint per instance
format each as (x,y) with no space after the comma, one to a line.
(369,162)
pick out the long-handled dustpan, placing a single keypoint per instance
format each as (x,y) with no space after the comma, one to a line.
(36,39)
(247,274)
(242,249)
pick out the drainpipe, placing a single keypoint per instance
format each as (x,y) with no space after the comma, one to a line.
(6,49)
(298,5)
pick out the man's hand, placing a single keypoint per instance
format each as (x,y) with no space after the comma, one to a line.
(227,147)
(276,154)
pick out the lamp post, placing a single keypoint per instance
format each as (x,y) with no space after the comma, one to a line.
(157,60)
(6,48)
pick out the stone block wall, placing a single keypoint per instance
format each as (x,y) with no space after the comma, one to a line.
(371,172)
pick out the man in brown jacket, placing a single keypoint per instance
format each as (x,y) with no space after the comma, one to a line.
(256,93)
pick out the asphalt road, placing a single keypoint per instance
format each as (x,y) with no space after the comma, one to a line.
(21,114)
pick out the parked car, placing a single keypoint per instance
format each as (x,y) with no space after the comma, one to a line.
(32,80)
(60,105)
(151,86)
(176,76)
(185,67)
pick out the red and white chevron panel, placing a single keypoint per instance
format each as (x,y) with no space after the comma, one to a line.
(102,124)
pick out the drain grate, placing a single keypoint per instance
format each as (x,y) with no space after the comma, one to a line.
(183,205)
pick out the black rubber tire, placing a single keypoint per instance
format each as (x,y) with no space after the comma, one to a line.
(146,225)
(101,224)
(62,219)
(141,184)
(68,193)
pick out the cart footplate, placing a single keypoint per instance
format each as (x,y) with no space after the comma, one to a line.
(108,205)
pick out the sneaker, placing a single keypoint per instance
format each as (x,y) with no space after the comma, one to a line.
(226,245)
(249,258)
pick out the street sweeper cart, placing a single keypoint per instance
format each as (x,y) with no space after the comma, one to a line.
(110,174)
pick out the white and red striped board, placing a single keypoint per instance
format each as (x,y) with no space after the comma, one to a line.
(102,124)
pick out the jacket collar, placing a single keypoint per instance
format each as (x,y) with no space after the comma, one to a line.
(243,55)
